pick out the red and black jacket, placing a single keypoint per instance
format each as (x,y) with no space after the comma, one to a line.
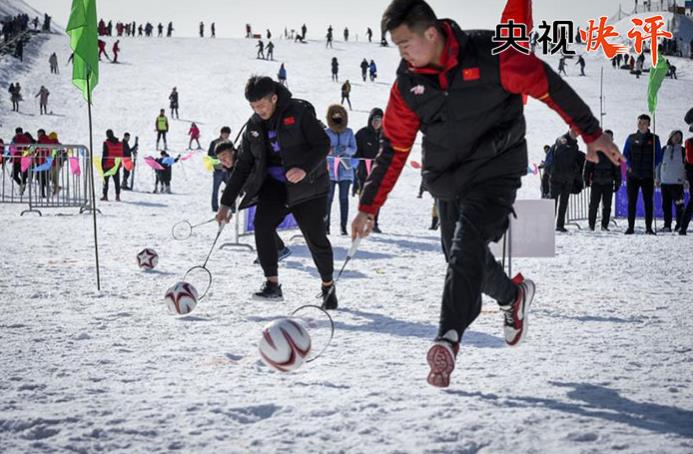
(470,114)
(112,149)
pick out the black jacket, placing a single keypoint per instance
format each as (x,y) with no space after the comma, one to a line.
(564,161)
(604,172)
(367,143)
(303,144)
(470,115)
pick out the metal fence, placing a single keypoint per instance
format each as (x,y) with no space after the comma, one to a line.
(46,176)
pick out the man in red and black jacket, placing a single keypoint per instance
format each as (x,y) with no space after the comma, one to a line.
(688,213)
(111,156)
(468,105)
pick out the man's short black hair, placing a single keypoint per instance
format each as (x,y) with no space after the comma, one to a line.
(417,15)
(610,132)
(221,147)
(645,117)
(259,87)
(19,131)
(226,130)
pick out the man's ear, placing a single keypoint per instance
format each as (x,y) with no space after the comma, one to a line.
(431,34)
(275,98)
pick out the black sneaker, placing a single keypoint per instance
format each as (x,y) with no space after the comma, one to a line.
(269,291)
(629,232)
(650,232)
(605,228)
(329,297)
(561,229)
(344,231)
(666,229)
(376,229)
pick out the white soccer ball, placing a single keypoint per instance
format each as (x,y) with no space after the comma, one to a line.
(284,345)
(147,259)
(181,299)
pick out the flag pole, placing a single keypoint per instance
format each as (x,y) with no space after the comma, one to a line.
(93,193)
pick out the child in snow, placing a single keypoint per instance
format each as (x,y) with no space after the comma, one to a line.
(163,176)
(194,134)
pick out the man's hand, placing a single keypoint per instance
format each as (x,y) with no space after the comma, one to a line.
(223,215)
(606,146)
(362,225)
(295,175)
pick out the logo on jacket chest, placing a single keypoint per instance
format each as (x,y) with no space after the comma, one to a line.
(418,90)
(469,74)
(288,121)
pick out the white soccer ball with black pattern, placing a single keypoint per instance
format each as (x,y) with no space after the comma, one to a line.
(181,299)
(284,345)
(147,259)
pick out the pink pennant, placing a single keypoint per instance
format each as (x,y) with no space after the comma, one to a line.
(187,156)
(74,166)
(335,166)
(535,169)
(153,164)
(369,164)
(25,163)
(415,164)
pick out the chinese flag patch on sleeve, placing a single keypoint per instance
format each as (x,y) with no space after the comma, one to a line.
(288,121)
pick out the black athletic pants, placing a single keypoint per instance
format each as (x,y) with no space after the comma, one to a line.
(467,225)
(116,182)
(560,192)
(310,217)
(672,193)
(600,193)
(634,184)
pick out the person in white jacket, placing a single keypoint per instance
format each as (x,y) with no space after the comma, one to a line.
(671,175)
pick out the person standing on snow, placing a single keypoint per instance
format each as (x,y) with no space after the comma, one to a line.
(474,160)
(102,50)
(194,133)
(270,51)
(581,62)
(367,147)
(131,153)
(260,50)
(364,69)
(202,29)
(116,50)
(281,167)
(342,149)
(335,69)
(346,91)
(112,150)
(671,174)
(373,71)
(43,100)
(563,162)
(604,178)
(53,61)
(281,75)
(219,175)
(173,103)
(161,128)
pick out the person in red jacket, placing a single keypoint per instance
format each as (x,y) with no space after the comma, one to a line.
(688,162)
(468,104)
(40,157)
(102,50)
(20,142)
(111,156)
(194,133)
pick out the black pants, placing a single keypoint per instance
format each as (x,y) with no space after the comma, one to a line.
(560,192)
(672,193)
(126,177)
(467,226)
(310,217)
(159,136)
(600,193)
(116,182)
(17,175)
(634,185)
(347,99)
(688,213)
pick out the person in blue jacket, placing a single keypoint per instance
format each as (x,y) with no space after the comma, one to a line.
(373,71)
(339,162)
(643,154)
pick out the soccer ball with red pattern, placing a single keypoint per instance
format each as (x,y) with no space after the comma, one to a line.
(181,299)
(284,345)
(147,259)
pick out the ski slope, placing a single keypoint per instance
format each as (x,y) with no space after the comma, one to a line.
(606,365)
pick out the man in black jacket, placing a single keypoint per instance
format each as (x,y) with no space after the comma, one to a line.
(367,146)
(219,175)
(282,168)
(643,153)
(604,178)
(563,162)
(468,104)
(129,152)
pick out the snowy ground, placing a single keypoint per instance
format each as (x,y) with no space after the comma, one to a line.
(606,367)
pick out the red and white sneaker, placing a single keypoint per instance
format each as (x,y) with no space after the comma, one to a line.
(441,358)
(515,318)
